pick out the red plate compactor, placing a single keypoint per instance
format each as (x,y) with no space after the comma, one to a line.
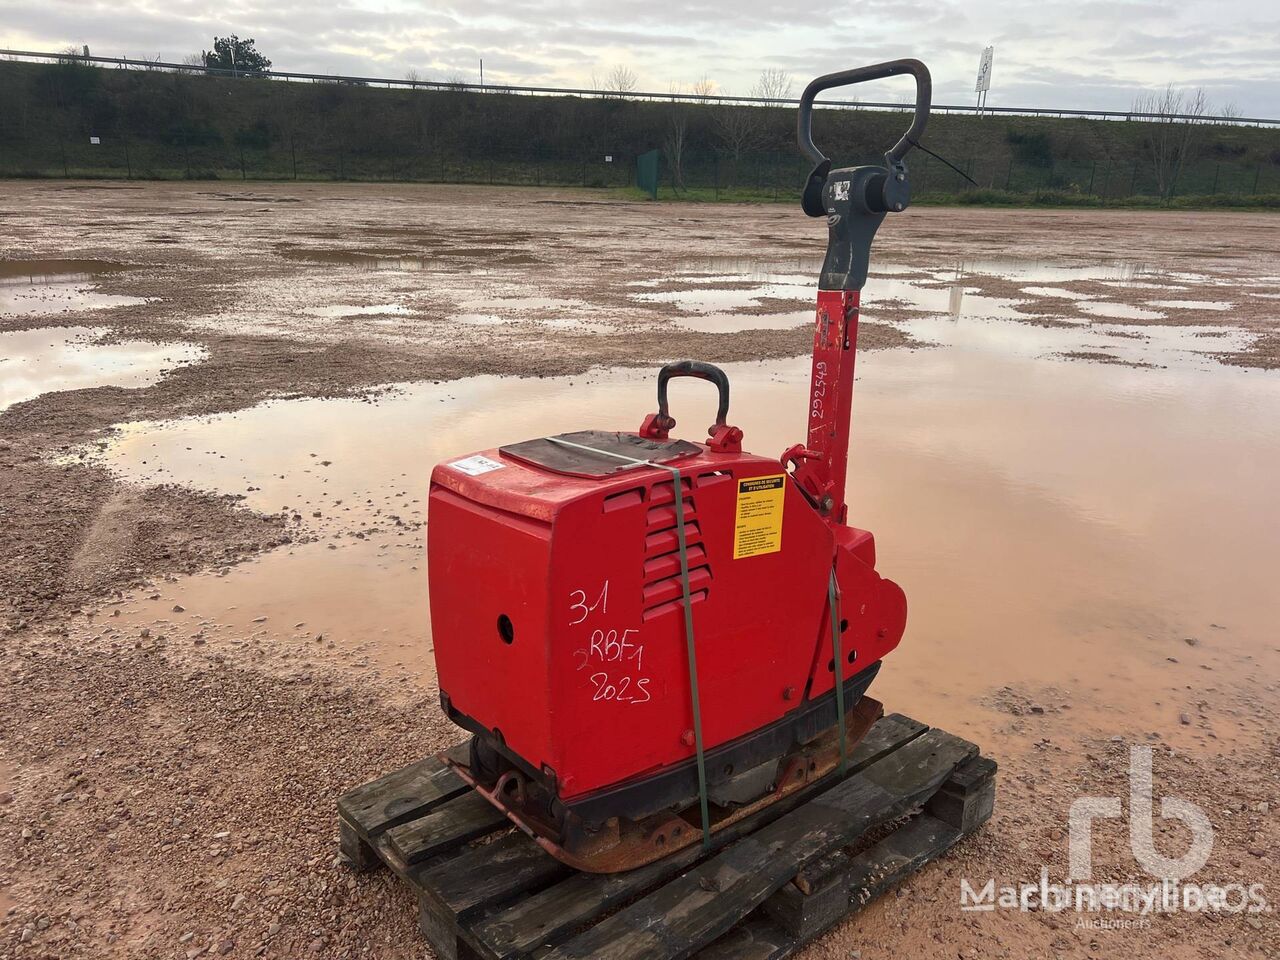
(644,634)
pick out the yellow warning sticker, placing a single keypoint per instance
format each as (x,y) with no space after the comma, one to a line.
(757,526)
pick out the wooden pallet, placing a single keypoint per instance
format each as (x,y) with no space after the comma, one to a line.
(770,884)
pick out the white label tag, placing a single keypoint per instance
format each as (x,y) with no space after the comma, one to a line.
(474,466)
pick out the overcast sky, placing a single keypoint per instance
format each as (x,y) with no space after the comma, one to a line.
(1093,54)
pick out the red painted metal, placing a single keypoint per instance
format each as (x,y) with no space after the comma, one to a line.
(821,464)
(590,682)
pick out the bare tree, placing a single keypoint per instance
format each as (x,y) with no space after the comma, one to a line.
(414,75)
(621,80)
(1173,117)
(773,85)
(737,127)
(674,143)
(703,88)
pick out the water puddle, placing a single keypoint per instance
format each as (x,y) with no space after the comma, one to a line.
(1182,347)
(1118,311)
(1123,273)
(1055,293)
(1035,547)
(44,287)
(339,310)
(34,362)
(378,260)
(729,295)
(1191,304)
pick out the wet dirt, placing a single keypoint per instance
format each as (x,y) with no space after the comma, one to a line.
(1084,544)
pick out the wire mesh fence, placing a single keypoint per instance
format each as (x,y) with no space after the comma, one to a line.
(774,175)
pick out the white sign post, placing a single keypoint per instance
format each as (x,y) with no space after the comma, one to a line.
(984,76)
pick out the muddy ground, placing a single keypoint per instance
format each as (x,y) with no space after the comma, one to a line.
(169,760)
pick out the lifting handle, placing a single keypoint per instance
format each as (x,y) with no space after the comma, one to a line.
(702,371)
(877,71)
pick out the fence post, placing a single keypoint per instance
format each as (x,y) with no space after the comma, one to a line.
(128,164)
(1217,168)
(1008,177)
(293,156)
(717,174)
(1133,178)
(1092,173)
(242,172)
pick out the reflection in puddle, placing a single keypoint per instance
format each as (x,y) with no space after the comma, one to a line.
(393,261)
(1002,487)
(42,287)
(34,362)
(1121,272)
(43,271)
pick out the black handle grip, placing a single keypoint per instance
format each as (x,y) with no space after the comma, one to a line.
(703,371)
(877,71)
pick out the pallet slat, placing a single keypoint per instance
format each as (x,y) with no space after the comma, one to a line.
(545,917)
(757,939)
(459,888)
(449,825)
(399,797)
(692,910)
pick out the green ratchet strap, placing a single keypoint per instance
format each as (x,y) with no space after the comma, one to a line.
(688,628)
(837,664)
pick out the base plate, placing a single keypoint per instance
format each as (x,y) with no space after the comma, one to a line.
(623,844)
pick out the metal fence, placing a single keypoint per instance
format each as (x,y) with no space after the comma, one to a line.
(295,76)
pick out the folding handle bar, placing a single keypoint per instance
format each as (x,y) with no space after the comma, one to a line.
(702,371)
(877,71)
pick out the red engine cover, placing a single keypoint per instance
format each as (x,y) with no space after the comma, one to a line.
(557,621)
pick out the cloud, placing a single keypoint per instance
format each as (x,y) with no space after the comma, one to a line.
(1090,54)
